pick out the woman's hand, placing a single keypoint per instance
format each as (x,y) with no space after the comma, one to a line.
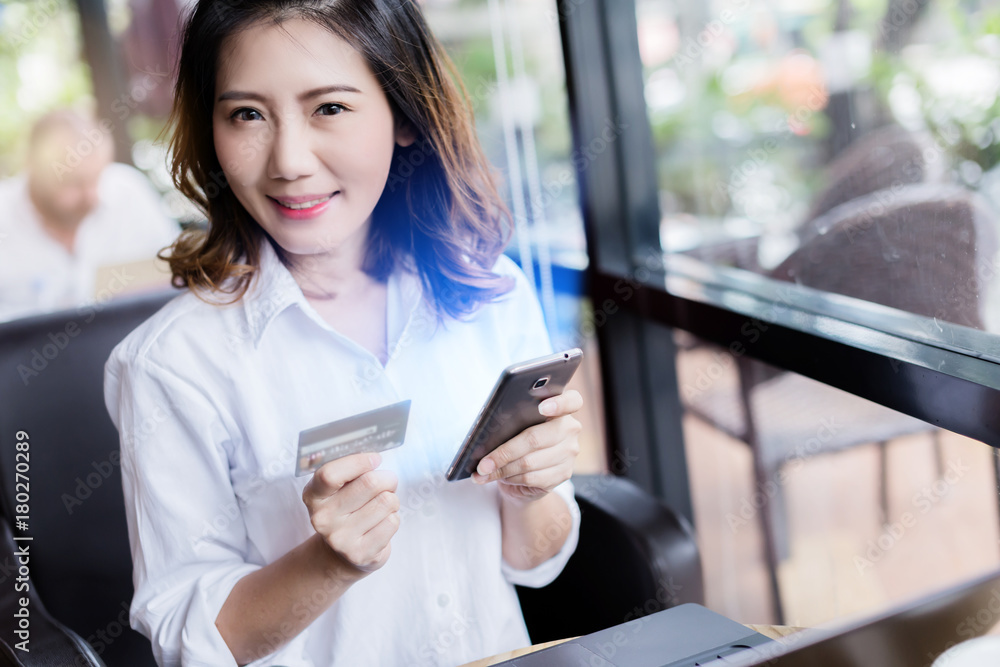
(541,457)
(355,509)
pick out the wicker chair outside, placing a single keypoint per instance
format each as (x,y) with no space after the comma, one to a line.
(915,248)
(885,158)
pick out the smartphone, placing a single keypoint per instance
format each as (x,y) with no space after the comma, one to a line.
(513,406)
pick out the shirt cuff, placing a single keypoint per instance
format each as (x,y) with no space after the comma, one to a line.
(546,572)
(201,643)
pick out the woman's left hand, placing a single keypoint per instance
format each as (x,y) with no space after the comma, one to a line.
(540,457)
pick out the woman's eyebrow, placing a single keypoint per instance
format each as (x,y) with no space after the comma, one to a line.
(336,88)
(316,92)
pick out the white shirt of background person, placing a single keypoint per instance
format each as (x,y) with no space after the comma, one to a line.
(70,214)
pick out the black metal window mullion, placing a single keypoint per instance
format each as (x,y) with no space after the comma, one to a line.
(615,163)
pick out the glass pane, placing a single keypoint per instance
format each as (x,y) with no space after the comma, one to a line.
(868,507)
(851,147)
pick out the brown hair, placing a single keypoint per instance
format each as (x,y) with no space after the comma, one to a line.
(440,205)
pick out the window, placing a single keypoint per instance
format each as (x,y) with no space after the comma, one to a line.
(848,147)
(834,149)
(822,194)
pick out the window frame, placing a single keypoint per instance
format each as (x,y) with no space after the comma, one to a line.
(878,353)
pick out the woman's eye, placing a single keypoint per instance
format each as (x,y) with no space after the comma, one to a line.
(246,115)
(331,109)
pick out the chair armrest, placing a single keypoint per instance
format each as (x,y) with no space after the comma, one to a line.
(636,556)
(665,537)
(50,643)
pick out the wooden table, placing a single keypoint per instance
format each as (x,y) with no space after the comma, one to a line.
(776,632)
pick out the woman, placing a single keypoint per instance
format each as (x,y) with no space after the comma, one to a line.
(352,261)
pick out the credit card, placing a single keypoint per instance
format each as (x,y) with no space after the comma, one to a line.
(373,431)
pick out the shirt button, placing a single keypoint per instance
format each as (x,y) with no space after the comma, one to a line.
(368,372)
(443,600)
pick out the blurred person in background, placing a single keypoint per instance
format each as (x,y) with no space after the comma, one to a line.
(73,213)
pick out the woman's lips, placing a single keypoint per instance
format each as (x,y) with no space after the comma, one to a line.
(302,208)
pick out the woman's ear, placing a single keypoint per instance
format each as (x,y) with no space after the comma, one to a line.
(405,134)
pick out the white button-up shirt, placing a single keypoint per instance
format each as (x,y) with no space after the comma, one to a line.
(209,401)
(38,274)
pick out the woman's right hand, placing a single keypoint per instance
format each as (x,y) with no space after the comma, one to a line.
(355,509)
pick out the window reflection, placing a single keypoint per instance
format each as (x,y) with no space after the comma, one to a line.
(847,146)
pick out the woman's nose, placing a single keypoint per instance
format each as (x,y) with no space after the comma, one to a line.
(291,153)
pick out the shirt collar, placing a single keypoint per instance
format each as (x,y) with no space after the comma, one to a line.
(273,290)
(31,217)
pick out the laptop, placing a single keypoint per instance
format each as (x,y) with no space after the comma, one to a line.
(909,635)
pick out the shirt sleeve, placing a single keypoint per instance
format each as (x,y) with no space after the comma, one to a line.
(529,338)
(185,525)
(546,572)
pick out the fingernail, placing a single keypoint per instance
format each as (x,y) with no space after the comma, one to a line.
(547,408)
(375,459)
(485,467)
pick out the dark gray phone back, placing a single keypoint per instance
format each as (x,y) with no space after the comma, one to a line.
(513,406)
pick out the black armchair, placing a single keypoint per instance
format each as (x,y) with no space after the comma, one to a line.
(635,557)
(51,380)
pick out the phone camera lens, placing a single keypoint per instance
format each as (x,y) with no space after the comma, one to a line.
(539,383)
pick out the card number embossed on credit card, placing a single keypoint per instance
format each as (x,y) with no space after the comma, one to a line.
(373,431)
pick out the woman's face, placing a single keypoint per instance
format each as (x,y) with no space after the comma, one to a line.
(304,134)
